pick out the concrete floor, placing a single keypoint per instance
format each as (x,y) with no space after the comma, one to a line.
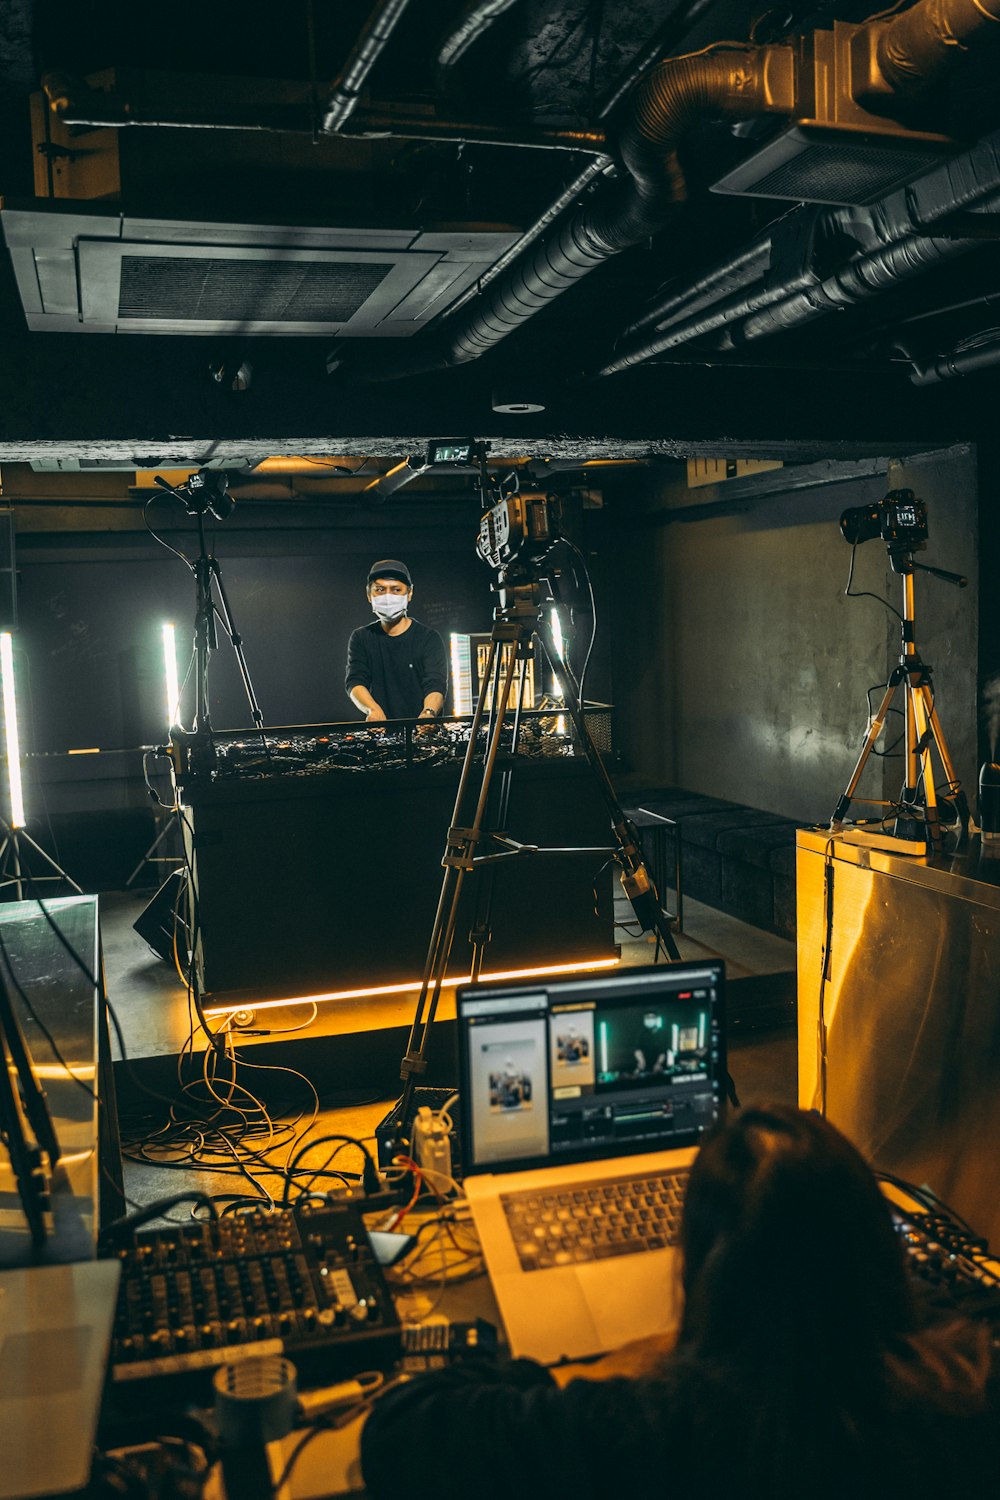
(348,1052)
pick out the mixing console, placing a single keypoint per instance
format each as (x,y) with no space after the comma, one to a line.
(305,750)
(303,1282)
(951,1269)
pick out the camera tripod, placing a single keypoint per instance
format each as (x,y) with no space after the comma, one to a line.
(921,727)
(517,620)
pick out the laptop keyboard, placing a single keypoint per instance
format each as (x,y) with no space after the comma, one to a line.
(595,1220)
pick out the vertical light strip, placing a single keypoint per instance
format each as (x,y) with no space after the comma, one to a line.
(602,1032)
(10,730)
(170,676)
(559,643)
(461,673)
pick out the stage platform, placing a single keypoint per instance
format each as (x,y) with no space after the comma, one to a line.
(351,1047)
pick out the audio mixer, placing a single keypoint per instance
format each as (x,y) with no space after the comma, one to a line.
(299,1281)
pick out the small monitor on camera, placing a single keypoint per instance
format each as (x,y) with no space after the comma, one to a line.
(452,451)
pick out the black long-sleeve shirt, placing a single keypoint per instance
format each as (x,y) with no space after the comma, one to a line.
(507,1432)
(398,670)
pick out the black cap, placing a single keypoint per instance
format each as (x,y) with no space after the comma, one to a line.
(390,567)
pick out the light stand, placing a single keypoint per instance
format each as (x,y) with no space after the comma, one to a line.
(922,728)
(205,493)
(523,595)
(12,867)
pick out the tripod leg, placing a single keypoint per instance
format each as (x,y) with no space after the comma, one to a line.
(636,880)
(874,730)
(481,933)
(457,861)
(955,791)
(921,755)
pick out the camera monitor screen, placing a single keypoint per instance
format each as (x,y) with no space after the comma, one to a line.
(590,1066)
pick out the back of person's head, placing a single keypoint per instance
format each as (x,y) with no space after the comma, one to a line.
(800,1350)
(790,1254)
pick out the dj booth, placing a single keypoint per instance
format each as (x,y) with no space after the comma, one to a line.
(316,856)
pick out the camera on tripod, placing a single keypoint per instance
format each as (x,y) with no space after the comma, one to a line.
(518,528)
(900,520)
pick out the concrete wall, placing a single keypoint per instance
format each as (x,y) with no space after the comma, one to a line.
(740,666)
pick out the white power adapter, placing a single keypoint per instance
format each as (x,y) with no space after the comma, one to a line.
(431,1140)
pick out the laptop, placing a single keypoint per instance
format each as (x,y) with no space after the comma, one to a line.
(584,1100)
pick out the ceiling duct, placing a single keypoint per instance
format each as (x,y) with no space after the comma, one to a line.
(785,279)
(836,88)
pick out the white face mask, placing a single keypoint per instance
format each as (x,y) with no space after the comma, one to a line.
(390,607)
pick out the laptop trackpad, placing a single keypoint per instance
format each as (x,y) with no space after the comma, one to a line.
(546,1315)
(642,1296)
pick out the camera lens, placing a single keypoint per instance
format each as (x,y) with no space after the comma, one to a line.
(860,524)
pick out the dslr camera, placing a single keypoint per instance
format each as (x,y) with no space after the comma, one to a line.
(900,520)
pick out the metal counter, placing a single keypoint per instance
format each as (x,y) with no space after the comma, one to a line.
(899,1011)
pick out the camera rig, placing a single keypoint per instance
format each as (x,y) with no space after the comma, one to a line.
(519,536)
(901,521)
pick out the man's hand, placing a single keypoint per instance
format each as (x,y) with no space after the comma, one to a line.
(375,715)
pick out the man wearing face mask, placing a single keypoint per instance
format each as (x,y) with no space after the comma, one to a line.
(396,667)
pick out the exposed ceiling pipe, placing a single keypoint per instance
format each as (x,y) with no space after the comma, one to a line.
(93,109)
(392,123)
(894,241)
(913,49)
(673,97)
(674,29)
(367,49)
(977,353)
(897,58)
(477,16)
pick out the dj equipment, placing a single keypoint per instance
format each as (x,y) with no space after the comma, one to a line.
(951,1268)
(288,857)
(302,1282)
(310,749)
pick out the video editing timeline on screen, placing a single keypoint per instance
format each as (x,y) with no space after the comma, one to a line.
(553,1077)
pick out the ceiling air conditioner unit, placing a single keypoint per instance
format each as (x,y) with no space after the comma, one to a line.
(87,269)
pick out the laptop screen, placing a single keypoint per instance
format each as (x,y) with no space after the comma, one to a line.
(590,1066)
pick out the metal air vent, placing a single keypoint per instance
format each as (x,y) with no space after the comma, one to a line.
(81,269)
(818,165)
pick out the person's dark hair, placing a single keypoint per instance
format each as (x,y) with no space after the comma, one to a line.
(797,1296)
(788,1240)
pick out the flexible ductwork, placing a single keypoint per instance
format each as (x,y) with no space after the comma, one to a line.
(676,95)
(914,48)
(893,242)
(892,58)
(898,58)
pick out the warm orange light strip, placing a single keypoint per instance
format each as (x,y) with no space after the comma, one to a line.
(408,988)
